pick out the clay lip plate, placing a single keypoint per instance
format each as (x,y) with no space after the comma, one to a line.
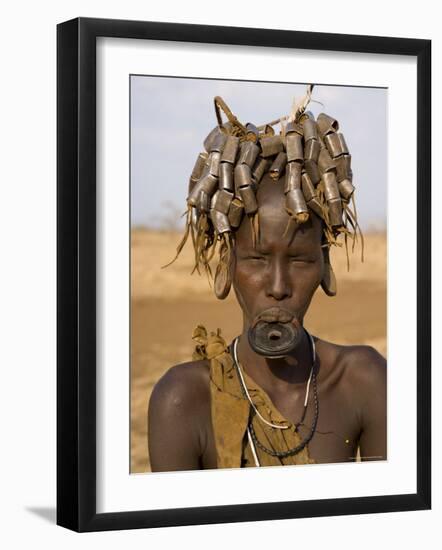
(274,339)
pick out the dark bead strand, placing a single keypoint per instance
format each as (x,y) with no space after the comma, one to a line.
(304,442)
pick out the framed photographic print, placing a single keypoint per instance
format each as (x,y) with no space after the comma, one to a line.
(243,248)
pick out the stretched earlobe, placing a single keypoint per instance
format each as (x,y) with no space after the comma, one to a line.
(223,281)
(328,282)
(223,273)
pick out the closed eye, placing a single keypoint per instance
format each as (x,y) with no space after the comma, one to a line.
(255,258)
(299,259)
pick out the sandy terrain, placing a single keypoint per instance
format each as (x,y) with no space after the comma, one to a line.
(168,303)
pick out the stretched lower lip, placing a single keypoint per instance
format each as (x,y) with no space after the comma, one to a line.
(274,315)
(275,333)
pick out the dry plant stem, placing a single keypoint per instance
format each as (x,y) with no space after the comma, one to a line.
(290,222)
(256,225)
(184,238)
(252,227)
(358,226)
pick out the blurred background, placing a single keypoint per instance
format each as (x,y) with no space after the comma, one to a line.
(169,119)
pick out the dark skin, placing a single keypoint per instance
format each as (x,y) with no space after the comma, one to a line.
(351,380)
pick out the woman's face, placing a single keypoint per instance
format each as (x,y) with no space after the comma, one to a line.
(281,271)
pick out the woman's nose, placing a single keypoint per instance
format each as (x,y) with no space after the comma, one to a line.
(278,282)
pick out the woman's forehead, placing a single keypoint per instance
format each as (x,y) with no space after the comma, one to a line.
(275,224)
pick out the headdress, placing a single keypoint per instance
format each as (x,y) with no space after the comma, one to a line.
(309,157)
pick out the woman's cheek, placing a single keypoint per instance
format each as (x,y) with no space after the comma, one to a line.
(247,284)
(317,276)
(305,280)
(312,284)
(247,276)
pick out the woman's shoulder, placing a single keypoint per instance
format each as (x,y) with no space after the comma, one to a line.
(182,385)
(357,365)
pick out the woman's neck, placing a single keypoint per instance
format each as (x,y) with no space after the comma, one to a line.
(276,373)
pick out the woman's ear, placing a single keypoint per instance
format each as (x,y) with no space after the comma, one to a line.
(224,272)
(328,282)
(223,281)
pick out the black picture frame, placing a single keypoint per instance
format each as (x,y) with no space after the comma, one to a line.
(76,273)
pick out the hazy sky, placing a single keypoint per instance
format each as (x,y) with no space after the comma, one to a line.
(170,117)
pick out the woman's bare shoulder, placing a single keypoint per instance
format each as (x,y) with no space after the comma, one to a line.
(182,386)
(361,364)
